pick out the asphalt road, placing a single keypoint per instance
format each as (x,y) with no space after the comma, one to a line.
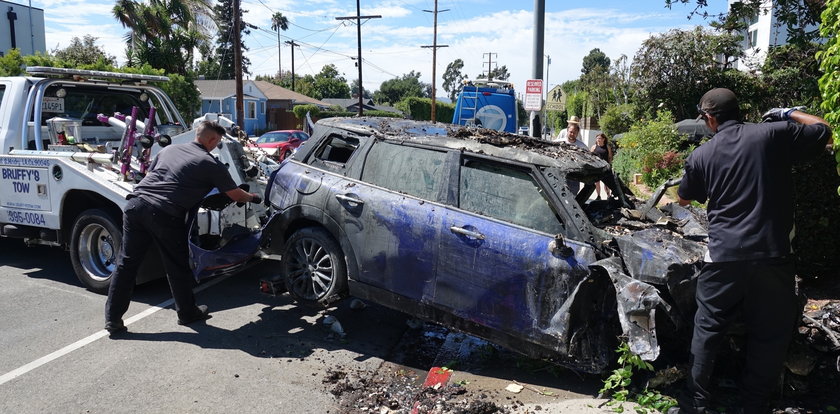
(258,353)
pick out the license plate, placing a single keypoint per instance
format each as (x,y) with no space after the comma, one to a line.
(52,104)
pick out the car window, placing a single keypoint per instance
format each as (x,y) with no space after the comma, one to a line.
(273,137)
(86,103)
(506,193)
(303,136)
(337,149)
(416,171)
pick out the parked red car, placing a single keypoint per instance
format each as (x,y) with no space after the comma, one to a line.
(281,144)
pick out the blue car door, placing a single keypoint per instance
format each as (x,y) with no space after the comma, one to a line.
(496,266)
(392,219)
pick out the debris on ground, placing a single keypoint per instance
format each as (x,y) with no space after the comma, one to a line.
(514,388)
(399,393)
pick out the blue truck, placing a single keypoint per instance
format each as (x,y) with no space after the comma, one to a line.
(488,104)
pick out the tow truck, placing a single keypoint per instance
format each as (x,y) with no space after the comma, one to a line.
(70,152)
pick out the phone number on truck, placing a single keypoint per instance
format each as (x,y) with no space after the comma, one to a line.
(36,219)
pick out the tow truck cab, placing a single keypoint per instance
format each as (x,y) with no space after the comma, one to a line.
(64,167)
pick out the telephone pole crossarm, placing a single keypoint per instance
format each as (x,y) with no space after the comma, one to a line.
(293,45)
(434,48)
(358,18)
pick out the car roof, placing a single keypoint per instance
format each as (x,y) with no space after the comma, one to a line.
(498,144)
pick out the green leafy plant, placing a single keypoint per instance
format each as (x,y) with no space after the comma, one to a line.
(829,59)
(617,386)
(651,148)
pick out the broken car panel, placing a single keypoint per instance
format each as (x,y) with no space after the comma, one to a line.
(477,230)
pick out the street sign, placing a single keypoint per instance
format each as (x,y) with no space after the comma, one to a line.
(533,94)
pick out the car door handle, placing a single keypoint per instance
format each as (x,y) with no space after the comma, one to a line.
(348,199)
(469,233)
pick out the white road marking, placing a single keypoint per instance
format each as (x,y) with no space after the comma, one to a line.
(100,334)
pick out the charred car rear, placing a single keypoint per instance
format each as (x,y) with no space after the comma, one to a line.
(477,230)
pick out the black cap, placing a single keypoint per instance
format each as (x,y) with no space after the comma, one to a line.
(717,101)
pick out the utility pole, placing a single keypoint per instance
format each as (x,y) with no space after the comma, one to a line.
(545,101)
(279,58)
(237,68)
(293,45)
(539,51)
(434,47)
(489,65)
(358,17)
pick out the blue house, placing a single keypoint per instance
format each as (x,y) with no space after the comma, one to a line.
(219,96)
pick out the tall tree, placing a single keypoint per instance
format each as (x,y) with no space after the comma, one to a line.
(675,68)
(394,90)
(453,77)
(83,52)
(224,41)
(330,84)
(278,23)
(597,80)
(354,90)
(499,73)
(596,60)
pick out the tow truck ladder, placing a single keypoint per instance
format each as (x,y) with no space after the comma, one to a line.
(468,103)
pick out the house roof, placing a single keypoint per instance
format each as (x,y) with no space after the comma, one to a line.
(273,91)
(348,102)
(222,89)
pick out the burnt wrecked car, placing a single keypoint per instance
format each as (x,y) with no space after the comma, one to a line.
(477,230)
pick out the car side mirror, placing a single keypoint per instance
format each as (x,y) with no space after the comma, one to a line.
(558,247)
(294,140)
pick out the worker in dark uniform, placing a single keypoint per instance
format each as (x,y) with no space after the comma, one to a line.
(156,212)
(744,172)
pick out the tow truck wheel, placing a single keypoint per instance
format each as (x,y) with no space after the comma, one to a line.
(313,267)
(94,246)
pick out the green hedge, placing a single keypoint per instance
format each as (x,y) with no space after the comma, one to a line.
(420,109)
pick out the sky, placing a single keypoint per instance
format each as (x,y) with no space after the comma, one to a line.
(391,45)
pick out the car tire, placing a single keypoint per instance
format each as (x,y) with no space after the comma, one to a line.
(313,268)
(286,154)
(94,245)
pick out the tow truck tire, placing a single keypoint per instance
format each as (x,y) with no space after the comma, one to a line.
(313,268)
(94,246)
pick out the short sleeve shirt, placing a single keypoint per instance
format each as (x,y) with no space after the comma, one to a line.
(181,176)
(578,143)
(744,172)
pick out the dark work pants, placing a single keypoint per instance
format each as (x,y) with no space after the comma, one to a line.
(144,224)
(764,292)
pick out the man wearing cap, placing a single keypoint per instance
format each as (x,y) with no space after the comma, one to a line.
(571,133)
(744,172)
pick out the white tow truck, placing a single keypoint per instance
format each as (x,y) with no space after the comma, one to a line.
(67,163)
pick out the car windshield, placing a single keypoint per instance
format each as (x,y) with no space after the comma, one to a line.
(272,137)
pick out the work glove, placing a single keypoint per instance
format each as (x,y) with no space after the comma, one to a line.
(779,114)
(257,199)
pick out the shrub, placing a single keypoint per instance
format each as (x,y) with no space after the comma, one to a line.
(420,109)
(618,119)
(652,149)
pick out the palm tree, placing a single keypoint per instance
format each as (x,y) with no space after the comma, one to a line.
(163,33)
(278,23)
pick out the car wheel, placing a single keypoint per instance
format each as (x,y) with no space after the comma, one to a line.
(286,154)
(313,267)
(94,245)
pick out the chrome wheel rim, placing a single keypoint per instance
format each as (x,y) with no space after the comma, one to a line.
(311,269)
(97,252)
